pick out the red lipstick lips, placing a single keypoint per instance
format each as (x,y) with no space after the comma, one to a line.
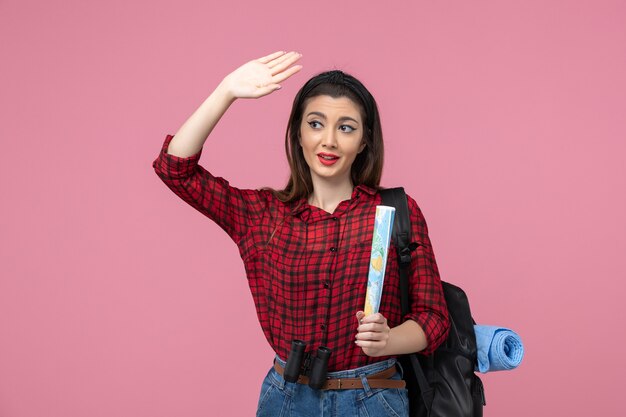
(327,158)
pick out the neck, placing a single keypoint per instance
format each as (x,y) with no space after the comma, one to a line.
(327,195)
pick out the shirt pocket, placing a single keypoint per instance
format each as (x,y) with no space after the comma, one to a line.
(357,273)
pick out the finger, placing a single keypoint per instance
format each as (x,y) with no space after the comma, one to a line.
(283,65)
(359,316)
(286,74)
(367,327)
(374,318)
(272,63)
(280,59)
(372,327)
(267,89)
(369,344)
(268,58)
(374,336)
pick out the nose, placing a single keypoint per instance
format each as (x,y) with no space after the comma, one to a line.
(329,139)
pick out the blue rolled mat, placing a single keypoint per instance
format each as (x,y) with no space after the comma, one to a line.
(499,348)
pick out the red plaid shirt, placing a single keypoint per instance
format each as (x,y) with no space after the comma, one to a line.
(307,269)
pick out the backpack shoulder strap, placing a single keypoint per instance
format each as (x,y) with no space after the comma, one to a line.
(401,235)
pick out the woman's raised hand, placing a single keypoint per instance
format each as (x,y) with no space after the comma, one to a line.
(262,76)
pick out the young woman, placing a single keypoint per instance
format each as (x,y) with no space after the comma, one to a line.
(306,248)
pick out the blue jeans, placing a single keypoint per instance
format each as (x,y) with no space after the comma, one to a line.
(280,398)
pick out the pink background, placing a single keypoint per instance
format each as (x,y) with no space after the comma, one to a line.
(501,118)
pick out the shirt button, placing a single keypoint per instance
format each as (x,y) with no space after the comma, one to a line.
(323,327)
(333,249)
(335,219)
(326,284)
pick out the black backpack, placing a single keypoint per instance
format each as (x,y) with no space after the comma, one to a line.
(442,384)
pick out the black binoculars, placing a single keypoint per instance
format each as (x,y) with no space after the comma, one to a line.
(300,362)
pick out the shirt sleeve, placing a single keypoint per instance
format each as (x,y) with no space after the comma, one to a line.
(233,209)
(428,305)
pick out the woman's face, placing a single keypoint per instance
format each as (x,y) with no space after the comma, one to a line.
(331,136)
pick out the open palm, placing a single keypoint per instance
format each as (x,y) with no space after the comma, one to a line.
(262,76)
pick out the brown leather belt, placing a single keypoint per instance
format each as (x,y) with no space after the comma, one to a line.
(378,380)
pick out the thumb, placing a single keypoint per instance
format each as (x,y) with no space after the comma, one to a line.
(360,315)
(270,88)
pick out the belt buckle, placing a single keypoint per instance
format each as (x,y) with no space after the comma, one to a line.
(339,383)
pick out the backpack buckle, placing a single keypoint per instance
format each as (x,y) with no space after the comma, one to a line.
(405,254)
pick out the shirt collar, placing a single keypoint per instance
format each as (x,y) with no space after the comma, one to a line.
(365,188)
(303,209)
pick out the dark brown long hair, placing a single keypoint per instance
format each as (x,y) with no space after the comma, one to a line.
(367,167)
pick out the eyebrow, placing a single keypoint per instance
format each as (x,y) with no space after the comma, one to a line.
(323,116)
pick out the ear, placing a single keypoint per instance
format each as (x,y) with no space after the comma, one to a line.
(362,146)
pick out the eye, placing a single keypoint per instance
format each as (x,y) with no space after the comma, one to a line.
(347,128)
(315,124)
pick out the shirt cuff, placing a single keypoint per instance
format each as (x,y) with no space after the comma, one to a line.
(173,166)
(434,328)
